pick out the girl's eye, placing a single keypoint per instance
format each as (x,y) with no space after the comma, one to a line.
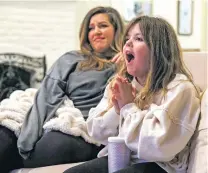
(126,39)
(139,39)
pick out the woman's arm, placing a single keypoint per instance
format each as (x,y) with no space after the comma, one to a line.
(47,100)
(99,126)
(159,133)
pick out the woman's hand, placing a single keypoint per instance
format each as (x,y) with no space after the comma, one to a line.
(117,58)
(123,92)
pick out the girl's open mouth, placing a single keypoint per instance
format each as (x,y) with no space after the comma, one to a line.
(129,57)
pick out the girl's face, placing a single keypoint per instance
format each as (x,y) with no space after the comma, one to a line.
(101,32)
(136,53)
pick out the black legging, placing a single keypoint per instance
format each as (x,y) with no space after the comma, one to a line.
(100,165)
(59,148)
(9,156)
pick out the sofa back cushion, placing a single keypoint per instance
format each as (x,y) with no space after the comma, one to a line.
(197,63)
(199,145)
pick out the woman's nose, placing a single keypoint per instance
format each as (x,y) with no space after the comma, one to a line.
(97,30)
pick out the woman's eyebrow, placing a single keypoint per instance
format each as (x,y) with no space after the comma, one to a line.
(103,22)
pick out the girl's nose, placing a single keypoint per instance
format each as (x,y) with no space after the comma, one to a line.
(129,43)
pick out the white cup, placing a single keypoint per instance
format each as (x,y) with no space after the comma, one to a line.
(118,154)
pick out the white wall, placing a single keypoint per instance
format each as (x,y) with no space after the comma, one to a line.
(52,27)
(168,10)
(46,27)
(204,26)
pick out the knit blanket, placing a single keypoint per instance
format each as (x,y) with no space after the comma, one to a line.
(14,109)
(67,119)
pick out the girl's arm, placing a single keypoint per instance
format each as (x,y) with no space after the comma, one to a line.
(162,131)
(101,126)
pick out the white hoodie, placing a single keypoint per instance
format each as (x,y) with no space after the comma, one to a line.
(159,134)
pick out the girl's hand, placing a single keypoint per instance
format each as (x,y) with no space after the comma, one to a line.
(113,100)
(115,104)
(117,58)
(123,92)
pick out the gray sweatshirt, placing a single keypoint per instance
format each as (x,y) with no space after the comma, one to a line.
(84,88)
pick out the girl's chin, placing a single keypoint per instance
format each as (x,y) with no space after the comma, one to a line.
(132,73)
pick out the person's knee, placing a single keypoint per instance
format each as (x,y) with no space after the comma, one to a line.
(60,141)
(9,156)
(56,143)
(8,141)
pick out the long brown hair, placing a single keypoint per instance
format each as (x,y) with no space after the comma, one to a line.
(165,57)
(95,60)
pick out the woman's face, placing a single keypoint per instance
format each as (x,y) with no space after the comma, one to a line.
(101,32)
(136,53)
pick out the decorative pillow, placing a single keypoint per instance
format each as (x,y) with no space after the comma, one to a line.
(198,160)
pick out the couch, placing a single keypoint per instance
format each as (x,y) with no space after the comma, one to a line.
(197,63)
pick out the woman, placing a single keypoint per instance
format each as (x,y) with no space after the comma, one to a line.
(156,113)
(79,76)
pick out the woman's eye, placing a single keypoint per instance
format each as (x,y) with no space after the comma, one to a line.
(90,28)
(103,26)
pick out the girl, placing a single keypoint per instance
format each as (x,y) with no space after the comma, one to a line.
(156,113)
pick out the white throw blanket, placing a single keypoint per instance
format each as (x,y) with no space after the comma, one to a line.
(68,119)
(14,109)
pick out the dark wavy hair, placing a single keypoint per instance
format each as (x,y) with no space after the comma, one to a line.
(95,60)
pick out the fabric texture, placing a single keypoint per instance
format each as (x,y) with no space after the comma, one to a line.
(69,120)
(148,131)
(57,148)
(198,161)
(14,109)
(9,156)
(64,80)
(101,165)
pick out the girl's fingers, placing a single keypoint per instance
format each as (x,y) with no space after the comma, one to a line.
(114,101)
(122,79)
(119,58)
(115,58)
(115,87)
(116,91)
(115,104)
